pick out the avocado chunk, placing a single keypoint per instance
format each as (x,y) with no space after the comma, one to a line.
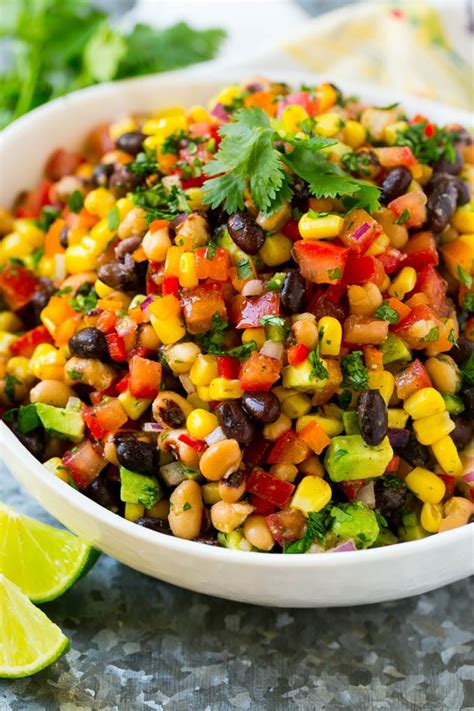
(235,540)
(223,239)
(301,377)
(349,457)
(139,489)
(349,418)
(355,521)
(454,404)
(394,349)
(61,422)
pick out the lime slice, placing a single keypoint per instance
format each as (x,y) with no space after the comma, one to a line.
(43,561)
(29,641)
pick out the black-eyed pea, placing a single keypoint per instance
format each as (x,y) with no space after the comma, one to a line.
(257,533)
(89,371)
(284,472)
(52,392)
(169,440)
(220,459)
(457,511)
(226,517)
(134,223)
(231,488)
(186,508)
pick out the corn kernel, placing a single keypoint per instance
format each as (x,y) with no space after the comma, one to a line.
(426,173)
(379,245)
(56,467)
(384,382)
(225,389)
(195,198)
(328,125)
(431,517)
(99,202)
(424,402)
(254,334)
(425,485)
(276,250)
(47,362)
(29,232)
(79,260)
(429,430)
(187,270)
(124,206)
(330,336)
(227,95)
(283,393)
(204,369)
(46,267)
(292,118)
(198,114)
(133,406)
(101,289)
(331,426)
(203,393)
(296,405)
(324,227)
(10,322)
(19,367)
(403,283)
(397,418)
(196,402)
(123,126)
(277,428)
(463,218)
(210,493)
(390,132)
(311,495)
(14,246)
(163,127)
(133,511)
(6,341)
(200,423)
(168,330)
(447,456)
(354,134)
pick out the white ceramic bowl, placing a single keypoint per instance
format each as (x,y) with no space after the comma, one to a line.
(288,581)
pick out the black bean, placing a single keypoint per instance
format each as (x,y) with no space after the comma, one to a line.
(390,496)
(123,181)
(127,246)
(398,437)
(105,492)
(101,174)
(462,433)
(140,457)
(462,350)
(441,205)
(234,422)
(263,407)
(63,241)
(301,193)
(118,275)
(154,524)
(446,166)
(34,440)
(416,454)
(293,292)
(464,191)
(395,183)
(462,188)
(468,398)
(131,142)
(245,232)
(89,343)
(372,417)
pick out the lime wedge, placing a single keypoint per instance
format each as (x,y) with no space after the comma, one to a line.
(29,641)
(43,561)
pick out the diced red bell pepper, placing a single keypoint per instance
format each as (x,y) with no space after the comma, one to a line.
(360,231)
(215,267)
(392,260)
(200,305)
(255,307)
(430,282)
(17,286)
(291,230)
(412,206)
(393,464)
(297,353)
(116,347)
(170,285)
(421,251)
(262,507)
(26,344)
(104,418)
(85,461)
(61,163)
(123,384)
(106,321)
(270,488)
(449,482)
(411,328)
(390,157)
(351,489)
(257,451)
(289,449)
(259,372)
(228,367)
(197,444)
(286,526)
(193,182)
(35,200)
(335,292)
(145,377)
(412,378)
(361,269)
(321,262)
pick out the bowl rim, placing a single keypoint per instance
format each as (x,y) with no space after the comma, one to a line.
(208,75)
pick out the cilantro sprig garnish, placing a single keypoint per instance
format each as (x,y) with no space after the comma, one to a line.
(427,148)
(160,204)
(254,156)
(212,341)
(354,374)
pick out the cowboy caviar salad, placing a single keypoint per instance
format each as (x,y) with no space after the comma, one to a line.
(250,324)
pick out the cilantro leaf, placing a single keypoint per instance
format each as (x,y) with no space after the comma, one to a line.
(244,269)
(468,304)
(113,218)
(76,201)
(404,217)
(85,300)
(271,320)
(427,148)
(464,277)
(28,418)
(10,382)
(318,369)
(387,313)
(354,374)
(47,217)
(467,370)
(317,526)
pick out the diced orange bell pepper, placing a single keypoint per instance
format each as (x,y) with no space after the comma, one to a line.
(373,358)
(57,312)
(315,437)
(52,241)
(65,331)
(263,99)
(459,253)
(402,309)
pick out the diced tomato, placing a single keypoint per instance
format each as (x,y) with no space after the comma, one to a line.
(116,347)
(392,156)
(391,260)
(262,507)
(257,451)
(335,292)
(360,231)
(393,464)
(363,330)
(412,378)
(321,262)
(297,353)
(122,384)
(193,182)
(106,321)
(197,444)
(35,200)
(412,206)
(418,328)
(289,449)
(421,251)
(84,461)
(216,267)
(228,367)
(291,230)
(430,282)
(269,487)
(200,305)
(259,372)
(26,344)
(17,286)
(286,526)
(104,418)
(145,377)
(361,269)
(450,484)
(255,307)
(351,489)
(61,163)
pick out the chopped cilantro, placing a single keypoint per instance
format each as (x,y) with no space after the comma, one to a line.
(387,108)
(339,454)
(334,273)
(212,340)
(74,374)
(452,336)
(381,520)
(113,218)
(244,269)
(345,399)
(340,515)
(242,351)
(464,277)
(160,204)
(85,300)
(390,481)
(276,282)
(76,201)
(28,418)
(318,369)
(427,149)
(145,164)
(47,217)
(355,374)
(270,320)
(404,217)
(186,506)
(36,257)
(433,335)
(317,526)
(10,382)
(64,290)
(211,249)
(387,313)
(468,303)
(467,370)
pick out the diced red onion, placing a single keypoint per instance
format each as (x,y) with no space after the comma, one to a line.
(178,220)
(219,112)
(469,477)
(254,287)
(367,495)
(152,427)
(272,349)
(398,437)
(344,547)
(146,303)
(215,436)
(360,231)
(125,326)
(185,381)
